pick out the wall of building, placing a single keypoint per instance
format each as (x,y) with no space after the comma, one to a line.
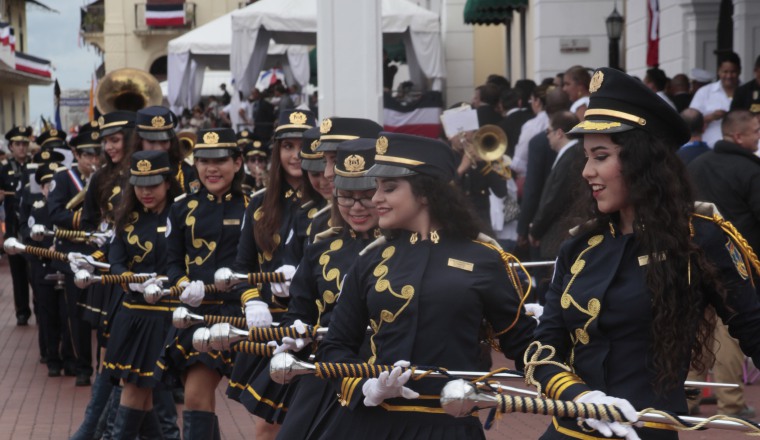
(14,106)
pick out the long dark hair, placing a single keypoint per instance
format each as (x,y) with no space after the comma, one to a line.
(661,196)
(130,204)
(448,206)
(112,174)
(272,205)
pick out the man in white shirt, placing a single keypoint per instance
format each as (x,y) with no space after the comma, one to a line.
(714,100)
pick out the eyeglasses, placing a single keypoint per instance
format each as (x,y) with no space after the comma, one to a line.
(348,202)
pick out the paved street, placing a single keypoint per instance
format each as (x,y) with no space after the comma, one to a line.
(34,406)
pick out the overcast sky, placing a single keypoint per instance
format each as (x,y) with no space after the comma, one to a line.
(55,36)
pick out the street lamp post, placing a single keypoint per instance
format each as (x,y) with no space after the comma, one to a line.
(614,31)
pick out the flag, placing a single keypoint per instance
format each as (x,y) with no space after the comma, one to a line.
(422,117)
(13,40)
(35,66)
(57,100)
(5,34)
(165,15)
(653,36)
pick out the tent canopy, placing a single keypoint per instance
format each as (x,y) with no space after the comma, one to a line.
(295,22)
(208,46)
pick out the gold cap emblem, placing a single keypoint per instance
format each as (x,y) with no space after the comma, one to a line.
(143,165)
(382,145)
(21,128)
(315,145)
(211,138)
(297,118)
(157,121)
(95,135)
(101,120)
(93,123)
(244,133)
(53,132)
(325,126)
(354,163)
(596,81)
(45,155)
(256,144)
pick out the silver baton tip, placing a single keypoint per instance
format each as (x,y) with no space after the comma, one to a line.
(201,339)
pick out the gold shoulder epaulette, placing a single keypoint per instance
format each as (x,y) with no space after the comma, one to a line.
(378,242)
(747,253)
(180,197)
(483,238)
(324,235)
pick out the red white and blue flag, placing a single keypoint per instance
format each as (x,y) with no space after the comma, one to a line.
(35,66)
(165,15)
(653,34)
(5,34)
(421,117)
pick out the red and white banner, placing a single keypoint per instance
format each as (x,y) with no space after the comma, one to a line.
(653,34)
(421,118)
(35,66)
(5,34)
(165,15)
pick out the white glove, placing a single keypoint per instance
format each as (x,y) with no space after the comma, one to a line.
(257,314)
(101,239)
(388,386)
(297,344)
(193,294)
(283,289)
(140,287)
(77,263)
(534,309)
(609,428)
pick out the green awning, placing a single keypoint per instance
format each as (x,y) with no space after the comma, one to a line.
(491,11)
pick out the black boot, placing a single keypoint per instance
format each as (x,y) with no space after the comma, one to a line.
(151,428)
(197,425)
(110,413)
(166,413)
(101,391)
(127,423)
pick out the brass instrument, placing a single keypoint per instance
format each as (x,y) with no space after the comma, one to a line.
(187,140)
(127,89)
(490,143)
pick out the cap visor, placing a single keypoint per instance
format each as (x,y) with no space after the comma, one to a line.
(313,165)
(146,180)
(111,130)
(213,153)
(354,183)
(158,135)
(328,146)
(91,149)
(381,170)
(598,127)
(289,134)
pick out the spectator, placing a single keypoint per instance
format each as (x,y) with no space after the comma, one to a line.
(729,177)
(699,79)
(695,147)
(679,91)
(714,100)
(576,83)
(514,102)
(534,126)
(485,100)
(559,79)
(281,96)
(747,96)
(656,80)
(501,82)
(226,98)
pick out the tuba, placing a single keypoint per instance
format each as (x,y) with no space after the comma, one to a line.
(127,89)
(490,142)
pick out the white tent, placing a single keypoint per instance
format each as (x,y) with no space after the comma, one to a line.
(295,22)
(208,46)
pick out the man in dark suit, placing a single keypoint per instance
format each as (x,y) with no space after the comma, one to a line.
(514,102)
(549,227)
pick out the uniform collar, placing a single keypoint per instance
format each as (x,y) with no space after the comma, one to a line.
(414,237)
(212,198)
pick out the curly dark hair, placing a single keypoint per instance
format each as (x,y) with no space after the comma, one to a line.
(661,195)
(448,206)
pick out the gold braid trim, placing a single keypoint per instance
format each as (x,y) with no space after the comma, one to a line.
(255,348)
(750,258)
(542,355)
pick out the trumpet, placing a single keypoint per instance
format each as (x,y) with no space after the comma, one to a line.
(154,293)
(225,278)
(39,232)
(83,279)
(183,318)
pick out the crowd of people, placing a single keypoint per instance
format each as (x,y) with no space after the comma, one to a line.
(338,224)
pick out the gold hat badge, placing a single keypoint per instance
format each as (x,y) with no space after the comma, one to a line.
(101,120)
(382,145)
(297,118)
(354,163)
(53,132)
(45,155)
(244,133)
(157,121)
(256,144)
(93,123)
(315,145)
(325,126)
(95,135)
(596,81)
(143,165)
(211,138)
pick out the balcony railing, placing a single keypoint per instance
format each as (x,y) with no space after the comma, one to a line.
(92,18)
(186,20)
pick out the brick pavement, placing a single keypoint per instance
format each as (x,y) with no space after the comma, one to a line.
(33,406)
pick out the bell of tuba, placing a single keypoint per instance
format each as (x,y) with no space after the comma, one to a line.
(127,89)
(490,142)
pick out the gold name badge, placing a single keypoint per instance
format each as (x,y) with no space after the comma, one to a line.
(644,259)
(459,264)
(161,229)
(231,222)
